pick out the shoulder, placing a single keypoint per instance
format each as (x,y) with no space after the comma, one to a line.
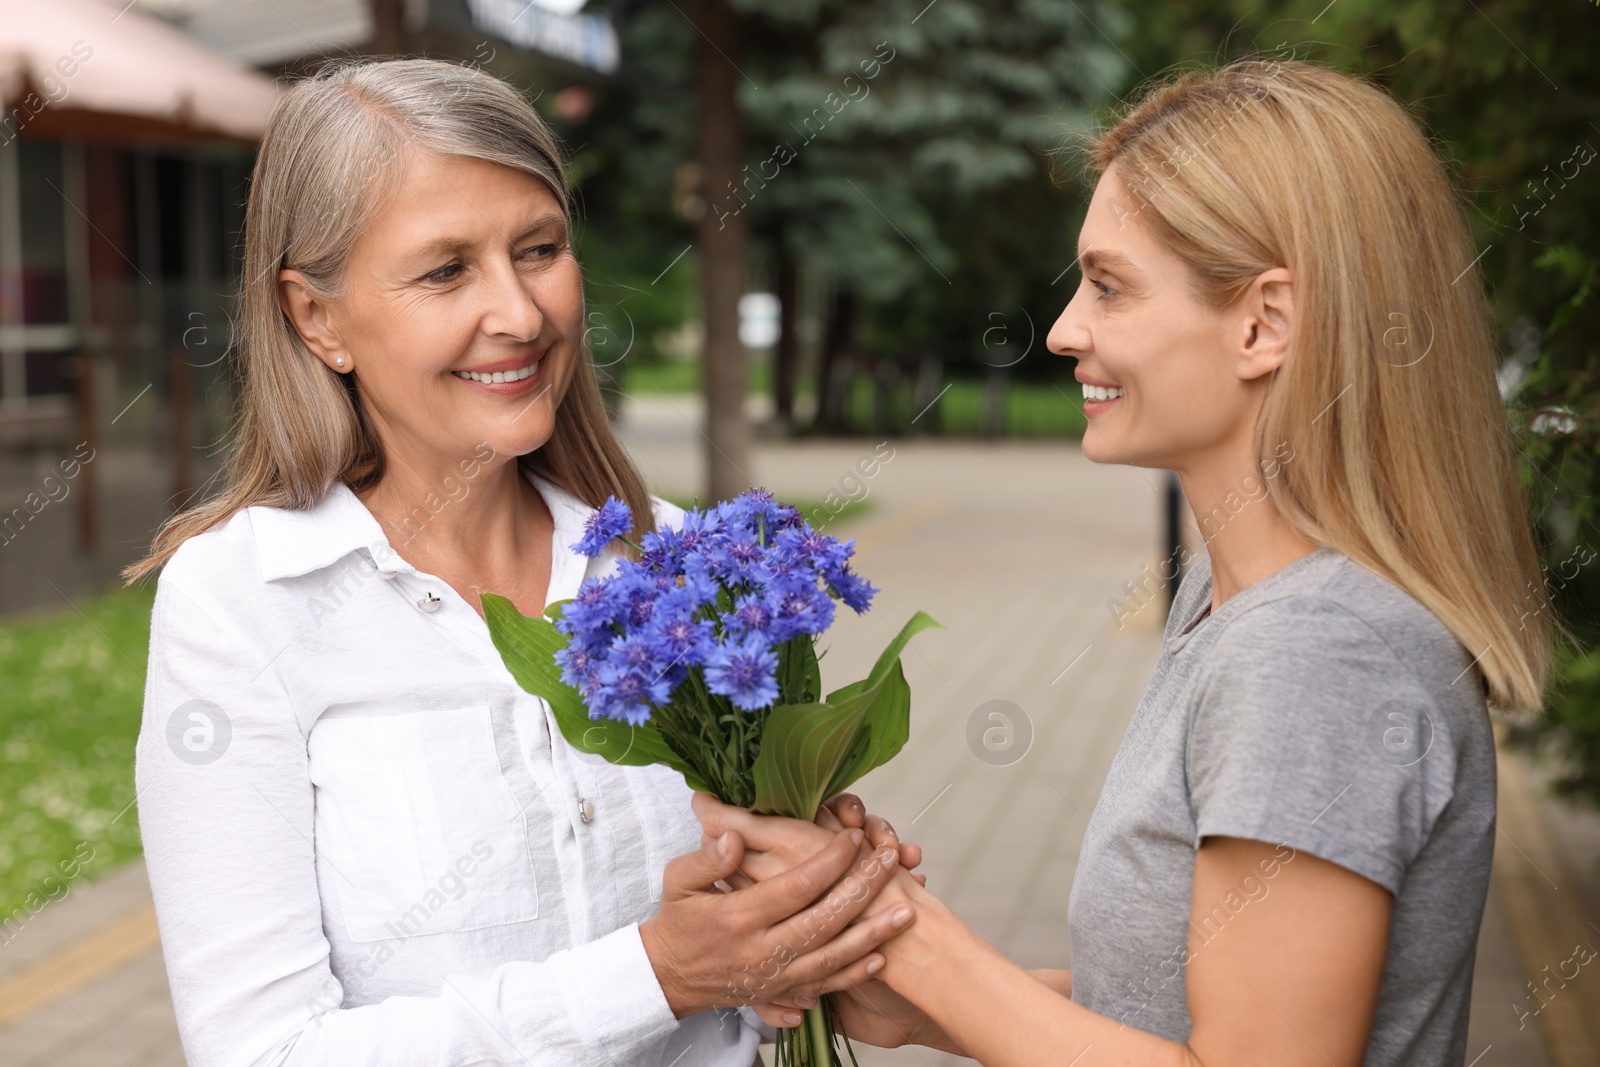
(1327,663)
(218,555)
(1338,617)
(218,572)
(1324,715)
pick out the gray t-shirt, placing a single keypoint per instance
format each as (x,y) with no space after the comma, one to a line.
(1321,710)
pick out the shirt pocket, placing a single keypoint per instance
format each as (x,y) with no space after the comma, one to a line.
(670,828)
(421,832)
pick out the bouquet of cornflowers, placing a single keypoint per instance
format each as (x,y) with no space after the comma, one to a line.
(701,655)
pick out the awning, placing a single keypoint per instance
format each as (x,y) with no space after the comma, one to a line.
(104,71)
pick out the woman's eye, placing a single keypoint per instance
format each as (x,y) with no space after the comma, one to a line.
(443,274)
(1104,289)
(544,251)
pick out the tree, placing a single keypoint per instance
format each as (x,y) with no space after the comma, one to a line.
(902,150)
(720,149)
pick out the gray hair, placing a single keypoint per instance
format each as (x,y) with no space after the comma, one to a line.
(330,162)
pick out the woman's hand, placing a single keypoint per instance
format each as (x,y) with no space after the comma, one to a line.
(715,949)
(774,844)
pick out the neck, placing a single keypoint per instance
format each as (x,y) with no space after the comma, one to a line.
(1243,533)
(460,514)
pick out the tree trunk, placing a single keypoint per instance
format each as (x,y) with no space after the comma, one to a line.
(722,250)
(832,387)
(786,361)
(388,27)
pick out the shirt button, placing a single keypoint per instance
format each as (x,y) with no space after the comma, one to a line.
(429,603)
(585,809)
(387,574)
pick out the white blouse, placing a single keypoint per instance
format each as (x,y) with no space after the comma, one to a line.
(367,844)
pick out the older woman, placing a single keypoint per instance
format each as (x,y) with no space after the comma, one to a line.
(366,844)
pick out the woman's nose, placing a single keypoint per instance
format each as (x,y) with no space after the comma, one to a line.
(513,307)
(1069,336)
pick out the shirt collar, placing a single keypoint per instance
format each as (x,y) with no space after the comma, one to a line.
(291,542)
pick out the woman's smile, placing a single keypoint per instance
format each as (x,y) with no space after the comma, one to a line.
(1098,396)
(508,377)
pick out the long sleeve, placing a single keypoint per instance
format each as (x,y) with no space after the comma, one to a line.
(226,809)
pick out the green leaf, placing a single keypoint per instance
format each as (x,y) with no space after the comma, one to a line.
(799,676)
(528,645)
(885,728)
(802,746)
(810,751)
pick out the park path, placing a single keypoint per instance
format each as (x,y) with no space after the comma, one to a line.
(1017,549)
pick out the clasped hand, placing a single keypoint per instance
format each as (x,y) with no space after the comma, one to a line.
(869,1010)
(774,909)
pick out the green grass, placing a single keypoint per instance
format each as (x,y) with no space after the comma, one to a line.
(1032,409)
(679,376)
(74,693)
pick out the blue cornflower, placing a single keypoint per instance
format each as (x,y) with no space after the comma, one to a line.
(759,512)
(662,550)
(851,588)
(609,522)
(798,609)
(676,636)
(626,694)
(580,668)
(700,529)
(818,549)
(736,559)
(745,672)
(751,614)
(593,610)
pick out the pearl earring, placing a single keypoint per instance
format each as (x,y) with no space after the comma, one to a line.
(340,361)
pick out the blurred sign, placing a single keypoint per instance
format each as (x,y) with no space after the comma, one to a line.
(758,319)
(587,40)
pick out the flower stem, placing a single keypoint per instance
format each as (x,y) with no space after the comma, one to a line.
(821,1043)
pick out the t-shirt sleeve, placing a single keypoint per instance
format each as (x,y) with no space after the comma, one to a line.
(1309,730)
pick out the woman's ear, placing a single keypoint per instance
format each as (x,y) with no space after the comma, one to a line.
(310,314)
(1268,320)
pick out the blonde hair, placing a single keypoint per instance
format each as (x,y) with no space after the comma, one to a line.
(1389,396)
(332,155)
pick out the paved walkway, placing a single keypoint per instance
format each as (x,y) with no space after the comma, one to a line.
(1016,549)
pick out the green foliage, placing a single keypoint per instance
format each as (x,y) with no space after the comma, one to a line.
(900,149)
(811,751)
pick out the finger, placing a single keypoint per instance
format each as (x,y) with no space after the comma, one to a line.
(738,879)
(843,903)
(693,872)
(780,1015)
(854,976)
(879,832)
(712,813)
(847,808)
(810,972)
(761,833)
(781,896)
(922,880)
(828,820)
(910,855)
